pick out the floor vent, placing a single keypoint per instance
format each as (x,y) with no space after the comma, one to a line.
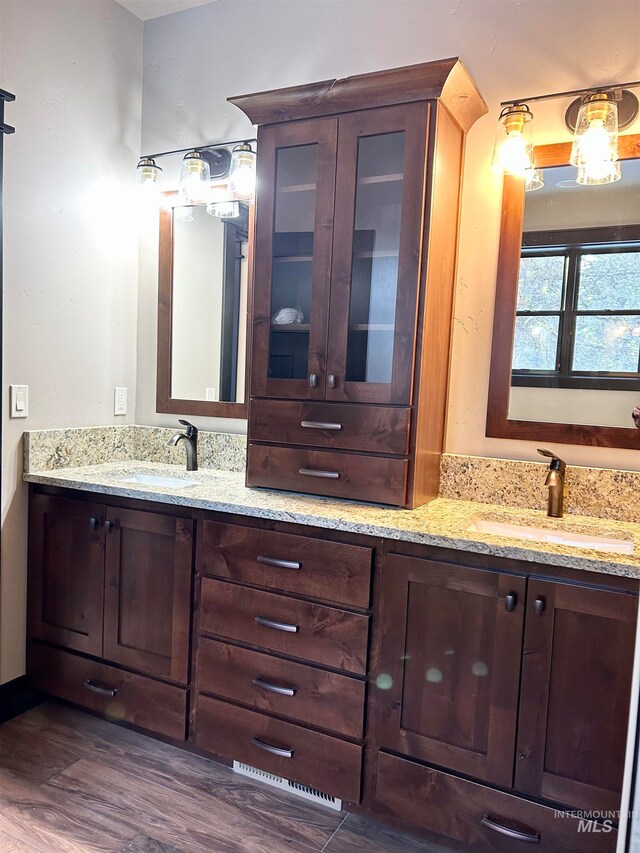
(296,788)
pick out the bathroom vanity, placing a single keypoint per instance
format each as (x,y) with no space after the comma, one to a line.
(461,685)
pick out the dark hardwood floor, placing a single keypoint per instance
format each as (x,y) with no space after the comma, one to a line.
(70,782)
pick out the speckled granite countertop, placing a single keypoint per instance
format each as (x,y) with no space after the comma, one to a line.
(441,523)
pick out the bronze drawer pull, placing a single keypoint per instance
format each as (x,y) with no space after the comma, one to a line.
(312,472)
(102,689)
(494,824)
(274,688)
(277,626)
(274,750)
(279,564)
(319,425)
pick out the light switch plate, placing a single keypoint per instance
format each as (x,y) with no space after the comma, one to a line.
(210,395)
(119,401)
(19,400)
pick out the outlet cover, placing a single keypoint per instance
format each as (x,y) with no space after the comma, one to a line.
(120,401)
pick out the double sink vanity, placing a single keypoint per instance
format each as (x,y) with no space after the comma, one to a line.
(429,666)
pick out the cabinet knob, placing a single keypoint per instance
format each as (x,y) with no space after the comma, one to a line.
(331,380)
(94,523)
(313,380)
(538,606)
(108,525)
(510,602)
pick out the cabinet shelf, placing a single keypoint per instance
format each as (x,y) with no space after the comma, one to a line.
(296,188)
(371,327)
(290,327)
(380,253)
(288,259)
(381,179)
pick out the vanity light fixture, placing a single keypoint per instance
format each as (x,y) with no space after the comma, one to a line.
(595,117)
(224,209)
(242,174)
(148,172)
(513,149)
(195,177)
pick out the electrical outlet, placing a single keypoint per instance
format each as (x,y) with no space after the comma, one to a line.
(120,401)
(19,399)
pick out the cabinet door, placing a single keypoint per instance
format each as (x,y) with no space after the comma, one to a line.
(376,254)
(148,592)
(66,572)
(294,219)
(576,688)
(446,685)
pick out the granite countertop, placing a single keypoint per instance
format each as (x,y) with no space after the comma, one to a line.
(441,523)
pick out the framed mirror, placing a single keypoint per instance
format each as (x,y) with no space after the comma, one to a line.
(203,303)
(565,360)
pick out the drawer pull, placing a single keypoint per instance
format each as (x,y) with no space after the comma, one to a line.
(510,831)
(312,472)
(274,688)
(279,564)
(274,750)
(277,626)
(101,689)
(319,425)
(313,380)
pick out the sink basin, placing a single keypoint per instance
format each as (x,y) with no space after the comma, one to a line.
(557,537)
(153,480)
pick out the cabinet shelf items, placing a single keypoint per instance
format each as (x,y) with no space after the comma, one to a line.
(357,217)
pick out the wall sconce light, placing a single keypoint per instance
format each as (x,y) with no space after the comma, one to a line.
(513,149)
(242,174)
(224,209)
(195,177)
(595,118)
(148,172)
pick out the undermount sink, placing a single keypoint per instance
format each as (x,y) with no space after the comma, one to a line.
(556,537)
(154,480)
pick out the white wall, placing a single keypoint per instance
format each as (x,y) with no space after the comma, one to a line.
(70,242)
(196,59)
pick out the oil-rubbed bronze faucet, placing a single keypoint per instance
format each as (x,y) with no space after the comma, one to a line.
(555,484)
(190,438)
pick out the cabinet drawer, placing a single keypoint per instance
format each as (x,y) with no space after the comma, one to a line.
(375,429)
(473,814)
(325,635)
(303,693)
(140,701)
(323,762)
(342,475)
(331,571)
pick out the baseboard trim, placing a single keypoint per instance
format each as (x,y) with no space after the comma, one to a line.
(16,697)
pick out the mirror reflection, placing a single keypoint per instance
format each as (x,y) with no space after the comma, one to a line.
(209,303)
(576,354)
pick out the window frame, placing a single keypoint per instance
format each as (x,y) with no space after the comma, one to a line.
(573,245)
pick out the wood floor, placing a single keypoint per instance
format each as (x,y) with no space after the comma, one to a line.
(70,782)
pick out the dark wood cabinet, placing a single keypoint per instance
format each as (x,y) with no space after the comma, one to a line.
(448,677)
(66,572)
(576,690)
(355,245)
(514,680)
(115,584)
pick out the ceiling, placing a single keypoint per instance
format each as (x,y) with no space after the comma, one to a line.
(145,9)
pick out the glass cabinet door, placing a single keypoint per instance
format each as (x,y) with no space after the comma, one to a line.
(293,253)
(376,254)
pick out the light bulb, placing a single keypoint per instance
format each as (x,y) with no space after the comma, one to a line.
(595,143)
(513,150)
(242,174)
(195,177)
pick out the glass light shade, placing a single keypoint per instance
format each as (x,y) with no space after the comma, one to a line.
(598,172)
(595,142)
(224,209)
(242,172)
(513,149)
(148,172)
(195,177)
(182,211)
(533,180)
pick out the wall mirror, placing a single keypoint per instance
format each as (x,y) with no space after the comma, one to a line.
(203,293)
(565,363)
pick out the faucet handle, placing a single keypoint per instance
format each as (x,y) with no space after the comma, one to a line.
(557,464)
(192,431)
